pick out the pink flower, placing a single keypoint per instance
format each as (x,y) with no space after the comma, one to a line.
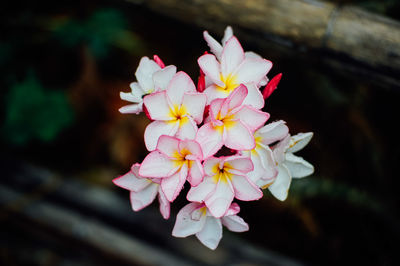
(265,166)
(226,179)
(196,219)
(143,191)
(230,123)
(176,111)
(232,69)
(150,78)
(173,162)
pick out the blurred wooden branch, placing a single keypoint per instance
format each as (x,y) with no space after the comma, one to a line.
(350,38)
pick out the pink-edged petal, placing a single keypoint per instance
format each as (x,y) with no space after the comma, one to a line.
(235,223)
(211,68)
(211,233)
(238,163)
(252,117)
(162,77)
(178,85)
(168,145)
(228,33)
(273,132)
(236,98)
(185,225)
(212,93)
(299,141)
(156,129)
(196,173)
(232,56)
(216,109)
(131,109)
(233,209)
(252,70)
(165,208)
(219,201)
(131,180)
(211,164)
(297,166)
(210,139)
(194,104)
(172,186)
(191,146)
(238,136)
(280,187)
(200,192)
(215,47)
(157,165)
(254,97)
(143,198)
(157,106)
(187,129)
(245,189)
(144,73)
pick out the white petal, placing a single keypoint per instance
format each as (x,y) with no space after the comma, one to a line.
(273,132)
(211,68)
(187,129)
(156,129)
(232,56)
(254,96)
(157,165)
(194,104)
(210,139)
(157,106)
(172,186)
(235,223)
(196,173)
(143,198)
(169,146)
(185,225)
(211,233)
(128,96)
(144,74)
(178,85)
(238,136)
(212,93)
(215,47)
(200,192)
(162,77)
(252,117)
(131,109)
(132,181)
(299,141)
(297,166)
(136,91)
(219,201)
(281,185)
(211,165)
(228,33)
(245,189)
(280,149)
(252,70)
(165,208)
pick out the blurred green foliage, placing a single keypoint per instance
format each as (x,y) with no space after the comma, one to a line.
(33,112)
(100,31)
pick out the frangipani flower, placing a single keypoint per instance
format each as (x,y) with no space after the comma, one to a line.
(230,123)
(173,162)
(196,219)
(143,191)
(151,77)
(225,180)
(232,70)
(290,165)
(265,169)
(216,48)
(176,111)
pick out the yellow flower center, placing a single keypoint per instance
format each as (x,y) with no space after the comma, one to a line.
(178,113)
(221,174)
(229,83)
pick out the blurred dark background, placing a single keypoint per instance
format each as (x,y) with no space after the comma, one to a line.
(63,140)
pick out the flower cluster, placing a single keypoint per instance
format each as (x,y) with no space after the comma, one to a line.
(212,135)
